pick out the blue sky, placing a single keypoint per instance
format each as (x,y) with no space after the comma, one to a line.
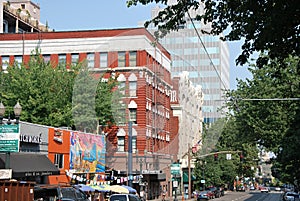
(64,15)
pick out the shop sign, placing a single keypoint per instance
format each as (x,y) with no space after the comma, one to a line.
(175,168)
(30,139)
(9,137)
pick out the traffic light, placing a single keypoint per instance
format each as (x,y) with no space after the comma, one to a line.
(216,157)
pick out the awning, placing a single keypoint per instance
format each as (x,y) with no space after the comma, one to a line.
(186,177)
(29,164)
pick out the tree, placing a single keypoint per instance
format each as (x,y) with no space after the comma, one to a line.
(44,92)
(271,26)
(266,112)
(58,96)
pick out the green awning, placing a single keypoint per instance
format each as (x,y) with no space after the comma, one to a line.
(186,177)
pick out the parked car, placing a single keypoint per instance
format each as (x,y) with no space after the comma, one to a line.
(204,195)
(264,189)
(123,197)
(216,191)
(59,192)
(290,196)
(241,188)
(252,188)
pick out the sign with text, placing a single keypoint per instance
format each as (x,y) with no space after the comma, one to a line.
(9,137)
(175,168)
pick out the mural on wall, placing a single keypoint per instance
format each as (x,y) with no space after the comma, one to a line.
(87,153)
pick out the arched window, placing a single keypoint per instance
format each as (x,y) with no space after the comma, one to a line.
(122,84)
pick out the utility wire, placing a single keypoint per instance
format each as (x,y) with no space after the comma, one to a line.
(206,51)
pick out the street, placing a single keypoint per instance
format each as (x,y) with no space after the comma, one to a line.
(250,196)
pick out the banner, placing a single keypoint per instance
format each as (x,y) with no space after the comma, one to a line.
(87,153)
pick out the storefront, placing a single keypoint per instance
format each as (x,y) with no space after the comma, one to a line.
(28,166)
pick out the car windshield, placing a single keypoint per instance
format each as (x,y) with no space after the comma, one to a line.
(118,198)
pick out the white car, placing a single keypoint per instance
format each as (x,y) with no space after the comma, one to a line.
(290,196)
(264,189)
(277,189)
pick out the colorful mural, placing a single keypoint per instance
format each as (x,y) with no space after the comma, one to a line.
(87,153)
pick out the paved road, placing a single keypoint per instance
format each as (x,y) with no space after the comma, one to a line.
(240,196)
(250,196)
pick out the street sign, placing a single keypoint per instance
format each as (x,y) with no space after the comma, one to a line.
(175,168)
(9,137)
(202,181)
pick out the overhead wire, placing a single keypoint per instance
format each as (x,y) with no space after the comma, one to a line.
(205,49)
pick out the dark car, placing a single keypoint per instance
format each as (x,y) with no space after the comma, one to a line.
(216,192)
(59,192)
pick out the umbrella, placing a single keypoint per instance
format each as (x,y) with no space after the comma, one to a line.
(85,188)
(100,188)
(131,190)
(119,189)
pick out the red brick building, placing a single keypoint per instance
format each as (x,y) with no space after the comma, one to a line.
(143,69)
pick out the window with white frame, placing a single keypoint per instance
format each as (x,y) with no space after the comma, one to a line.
(5,62)
(122,84)
(74,58)
(46,58)
(90,60)
(18,60)
(62,59)
(132,58)
(132,85)
(59,160)
(121,140)
(103,59)
(121,59)
(121,143)
(132,111)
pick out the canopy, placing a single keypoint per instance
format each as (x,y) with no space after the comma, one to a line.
(131,190)
(84,188)
(119,189)
(29,164)
(100,188)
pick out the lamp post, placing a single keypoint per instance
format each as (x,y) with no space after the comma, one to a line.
(132,118)
(9,140)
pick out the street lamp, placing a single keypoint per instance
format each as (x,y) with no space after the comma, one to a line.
(9,133)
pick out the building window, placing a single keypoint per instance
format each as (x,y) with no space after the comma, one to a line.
(133,144)
(122,84)
(46,58)
(59,160)
(121,143)
(103,59)
(62,59)
(75,59)
(5,26)
(18,60)
(121,59)
(23,6)
(132,58)
(121,117)
(132,88)
(132,85)
(5,62)
(132,114)
(90,60)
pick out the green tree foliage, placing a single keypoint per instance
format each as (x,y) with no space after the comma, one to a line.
(226,137)
(266,111)
(271,26)
(58,96)
(44,93)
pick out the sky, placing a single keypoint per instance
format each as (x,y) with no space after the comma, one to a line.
(70,15)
